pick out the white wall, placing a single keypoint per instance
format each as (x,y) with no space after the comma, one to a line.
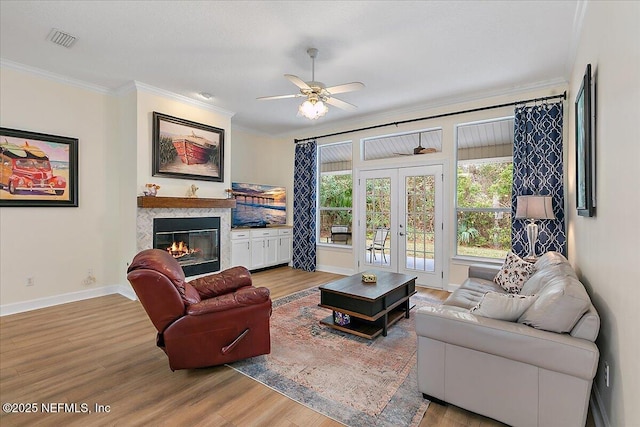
(57,246)
(605,249)
(150,99)
(260,159)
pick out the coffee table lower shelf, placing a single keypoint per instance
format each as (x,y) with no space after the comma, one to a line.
(364,328)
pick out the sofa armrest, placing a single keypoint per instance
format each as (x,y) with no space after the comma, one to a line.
(548,350)
(484,271)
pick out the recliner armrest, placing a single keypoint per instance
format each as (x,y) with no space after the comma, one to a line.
(222,283)
(243,297)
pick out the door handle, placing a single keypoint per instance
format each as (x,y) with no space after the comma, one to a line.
(401,233)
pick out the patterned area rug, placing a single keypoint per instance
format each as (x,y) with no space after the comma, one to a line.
(353,380)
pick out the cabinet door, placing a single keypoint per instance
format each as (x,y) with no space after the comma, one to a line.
(271,251)
(284,249)
(258,249)
(241,253)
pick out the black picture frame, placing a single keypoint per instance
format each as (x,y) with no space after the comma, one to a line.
(186,149)
(37,169)
(584,127)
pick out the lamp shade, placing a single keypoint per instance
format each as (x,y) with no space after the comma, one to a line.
(534,207)
(312,109)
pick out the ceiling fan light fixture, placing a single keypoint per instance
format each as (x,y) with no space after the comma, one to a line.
(313,109)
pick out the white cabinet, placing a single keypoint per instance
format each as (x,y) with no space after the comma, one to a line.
(260,248)
(240,248)
(263,247)
(285,243)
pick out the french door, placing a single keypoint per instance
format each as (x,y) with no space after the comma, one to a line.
(400,222)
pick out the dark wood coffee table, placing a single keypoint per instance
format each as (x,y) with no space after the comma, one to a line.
(372,307)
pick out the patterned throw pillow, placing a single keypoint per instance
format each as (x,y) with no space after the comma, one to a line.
(514,273)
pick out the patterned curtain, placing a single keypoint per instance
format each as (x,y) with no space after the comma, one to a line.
(304,207)
(538,169)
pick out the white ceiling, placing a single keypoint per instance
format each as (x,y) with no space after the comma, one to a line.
(407,53)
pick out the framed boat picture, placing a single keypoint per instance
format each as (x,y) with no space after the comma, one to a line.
(186,149)
(38,170)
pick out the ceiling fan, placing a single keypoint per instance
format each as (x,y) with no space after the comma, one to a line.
(419,149)
(317,93)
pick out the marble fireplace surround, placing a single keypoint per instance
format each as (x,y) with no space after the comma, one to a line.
(177,207)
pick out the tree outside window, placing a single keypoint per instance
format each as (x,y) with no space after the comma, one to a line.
(483,180)
(335,191)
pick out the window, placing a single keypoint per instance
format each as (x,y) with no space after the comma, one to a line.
(483,181)
(335,194)
(406,144)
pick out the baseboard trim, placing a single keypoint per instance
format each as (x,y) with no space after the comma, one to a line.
(35,304)
(335,270)
(451,287)
(600,418)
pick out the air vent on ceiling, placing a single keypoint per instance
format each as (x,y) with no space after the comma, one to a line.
(61,38)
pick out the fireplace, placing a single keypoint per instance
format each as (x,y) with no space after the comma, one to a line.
(194,242)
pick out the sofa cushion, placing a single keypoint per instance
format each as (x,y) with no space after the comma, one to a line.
(541,277)
(514,273)
(471,292)
(484,271)
(550,258)
(501,306)
(559,306)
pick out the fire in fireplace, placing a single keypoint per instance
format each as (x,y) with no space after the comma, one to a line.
(194,242)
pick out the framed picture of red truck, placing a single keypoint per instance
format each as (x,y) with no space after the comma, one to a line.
(37,170)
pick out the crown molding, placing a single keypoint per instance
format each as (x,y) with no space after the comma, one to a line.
(576,32)
(121,91)
(5,63)
(143,87)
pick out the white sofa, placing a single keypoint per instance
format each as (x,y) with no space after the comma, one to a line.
(510,371)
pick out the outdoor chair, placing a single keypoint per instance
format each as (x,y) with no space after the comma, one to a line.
(340,233)
(378,244)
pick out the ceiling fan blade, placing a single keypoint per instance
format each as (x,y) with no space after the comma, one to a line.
(297,81)
(341,104)
(421,150)
(347,87)
(262,98)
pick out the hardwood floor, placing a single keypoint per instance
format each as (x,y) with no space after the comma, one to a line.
(102,351)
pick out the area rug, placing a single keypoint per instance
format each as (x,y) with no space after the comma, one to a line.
(356,381)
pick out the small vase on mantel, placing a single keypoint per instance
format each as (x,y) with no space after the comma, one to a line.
(151,190)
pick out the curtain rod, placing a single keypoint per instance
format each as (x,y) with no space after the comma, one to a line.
(437,116)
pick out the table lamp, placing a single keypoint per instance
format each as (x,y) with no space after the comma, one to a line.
(533,208)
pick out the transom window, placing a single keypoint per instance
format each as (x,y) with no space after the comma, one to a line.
(406,144)
(483,181)
(335,194)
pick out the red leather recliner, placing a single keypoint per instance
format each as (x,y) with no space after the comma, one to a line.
(208,321)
